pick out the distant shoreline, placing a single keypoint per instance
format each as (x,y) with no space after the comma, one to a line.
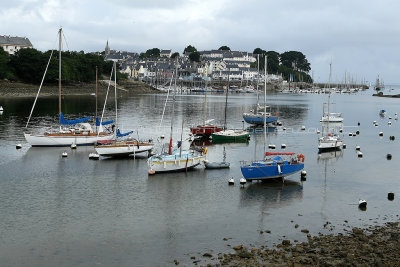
(19,89)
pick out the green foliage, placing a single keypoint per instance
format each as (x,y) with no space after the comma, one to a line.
(225,48)
(194,56)
(151,53)
(28,65)
(3,63)
(295,60)
(287,63)
(190,49)
(174,55)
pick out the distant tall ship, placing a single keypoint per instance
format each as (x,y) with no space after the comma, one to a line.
(379,85)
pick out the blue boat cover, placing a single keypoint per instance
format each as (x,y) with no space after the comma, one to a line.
(277,158)
(70,122)
(103,123)
(119,134)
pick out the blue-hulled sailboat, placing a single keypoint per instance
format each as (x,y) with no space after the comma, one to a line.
(273,165)
(256,117)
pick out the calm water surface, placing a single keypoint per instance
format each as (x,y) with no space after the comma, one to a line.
(76,212)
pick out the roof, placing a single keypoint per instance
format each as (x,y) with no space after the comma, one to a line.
(10,40)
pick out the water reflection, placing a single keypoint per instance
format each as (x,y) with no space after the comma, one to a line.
(271,194)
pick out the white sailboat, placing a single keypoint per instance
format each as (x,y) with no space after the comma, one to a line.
(178,160)
(119,147)
(330,140)
(81,133)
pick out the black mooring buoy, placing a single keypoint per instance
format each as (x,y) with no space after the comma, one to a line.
(389,156)
(390,196)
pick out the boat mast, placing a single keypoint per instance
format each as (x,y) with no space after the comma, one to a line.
(59,70)
(116,107)
(265,101)
(226,100)
(258,79)
(173,108)
(205,98)
(96,98)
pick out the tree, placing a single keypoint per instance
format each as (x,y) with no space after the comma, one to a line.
(194,56)
(259,51)
(225,48)
(3,63)
(190,49)
(174,55)
(295,60)
(272,61)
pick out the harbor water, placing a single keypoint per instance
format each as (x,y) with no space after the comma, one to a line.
(73,211)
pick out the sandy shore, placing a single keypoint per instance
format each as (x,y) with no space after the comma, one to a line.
(17,89)
(374,246)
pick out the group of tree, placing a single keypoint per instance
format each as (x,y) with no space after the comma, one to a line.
(28,65)
(290,63)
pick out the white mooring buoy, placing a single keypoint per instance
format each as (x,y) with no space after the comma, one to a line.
(359,154)
(162,136)
(389,123)
(73,146)
(340,130)
(362,203)
(18,146)
(271,146)
(242,181)
(380,133)
(350,134)
(303,175)
(64,154)
(231,181)
(303,128)
(358,147)
(318,131)
(283,146)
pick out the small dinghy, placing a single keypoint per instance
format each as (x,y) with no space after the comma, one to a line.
(216,165)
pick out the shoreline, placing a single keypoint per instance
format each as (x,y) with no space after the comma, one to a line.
(18,89)
(372,246)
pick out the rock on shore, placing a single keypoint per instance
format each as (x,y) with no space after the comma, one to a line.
(377,246)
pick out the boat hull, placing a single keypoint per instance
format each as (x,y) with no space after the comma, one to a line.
(56,140)
(267,171)
(258,119)
(329,145)
(202,130)
(174,163)
(122,149)
(231,135)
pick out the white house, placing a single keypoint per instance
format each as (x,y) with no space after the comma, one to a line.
(166,53)
(12,44)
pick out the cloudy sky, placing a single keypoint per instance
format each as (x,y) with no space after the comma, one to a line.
(361,37)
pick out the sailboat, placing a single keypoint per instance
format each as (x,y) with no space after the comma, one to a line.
(81,134)
(178,159)
(330,140)
(118,147)
(230,135)
(257,117)
(207,128)
(379,84)
(273,165)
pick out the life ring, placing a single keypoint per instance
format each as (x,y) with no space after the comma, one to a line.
(301,157)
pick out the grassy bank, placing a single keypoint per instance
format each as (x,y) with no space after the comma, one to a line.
(18,89)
